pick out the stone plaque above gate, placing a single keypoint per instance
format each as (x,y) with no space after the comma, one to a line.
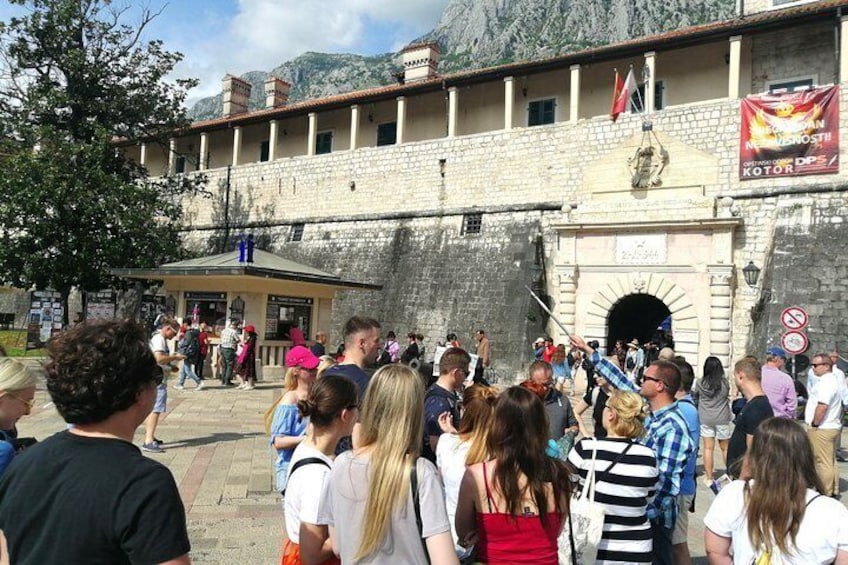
(641,249)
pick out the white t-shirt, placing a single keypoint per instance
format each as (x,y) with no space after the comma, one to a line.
(825,391)
(303,490)
(823,530)
(451,452)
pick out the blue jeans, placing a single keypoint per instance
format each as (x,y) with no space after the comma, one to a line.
(187,371)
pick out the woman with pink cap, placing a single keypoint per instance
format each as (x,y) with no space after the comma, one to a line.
(282,421)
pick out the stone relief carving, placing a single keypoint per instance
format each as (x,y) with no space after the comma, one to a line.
(640,249)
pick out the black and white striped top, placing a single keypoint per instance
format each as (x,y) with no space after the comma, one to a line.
(624,491)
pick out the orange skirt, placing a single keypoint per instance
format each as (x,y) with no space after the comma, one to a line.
(291,555)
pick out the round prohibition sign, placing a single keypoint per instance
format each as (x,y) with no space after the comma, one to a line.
(794,318)
(794,342)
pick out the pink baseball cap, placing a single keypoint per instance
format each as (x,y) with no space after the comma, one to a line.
(299,356)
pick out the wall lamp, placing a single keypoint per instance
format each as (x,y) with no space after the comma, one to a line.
(751,273)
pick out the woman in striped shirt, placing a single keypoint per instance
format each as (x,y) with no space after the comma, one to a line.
(625,477)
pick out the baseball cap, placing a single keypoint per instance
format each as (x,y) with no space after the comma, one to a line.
(249,328)
(539,340)
(299,356)
(776,352)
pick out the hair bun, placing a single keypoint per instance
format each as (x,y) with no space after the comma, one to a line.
(305,407)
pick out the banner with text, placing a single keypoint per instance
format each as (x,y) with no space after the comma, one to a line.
(791,134)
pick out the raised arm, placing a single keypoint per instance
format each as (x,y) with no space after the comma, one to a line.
(610,371)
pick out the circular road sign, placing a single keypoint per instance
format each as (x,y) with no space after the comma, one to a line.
(794,342)
(794,318)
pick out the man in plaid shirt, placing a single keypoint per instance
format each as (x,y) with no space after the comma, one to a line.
(666,434)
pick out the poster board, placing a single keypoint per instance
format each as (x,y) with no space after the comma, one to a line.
(100,305)
(45,317)
(437,356)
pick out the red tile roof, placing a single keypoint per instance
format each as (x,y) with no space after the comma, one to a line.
(759,22)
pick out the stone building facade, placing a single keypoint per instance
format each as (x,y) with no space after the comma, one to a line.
(454,192)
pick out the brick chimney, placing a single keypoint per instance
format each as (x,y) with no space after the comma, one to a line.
(276,92)
(420,61)
(236,95)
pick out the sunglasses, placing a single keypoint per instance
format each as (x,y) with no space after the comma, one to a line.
(819,364)
(29,403)
(647,378)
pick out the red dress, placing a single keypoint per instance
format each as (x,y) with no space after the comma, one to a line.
(523,539)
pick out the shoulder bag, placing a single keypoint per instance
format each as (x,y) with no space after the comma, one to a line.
(579,539)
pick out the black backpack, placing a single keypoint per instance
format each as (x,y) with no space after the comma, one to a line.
(191,344)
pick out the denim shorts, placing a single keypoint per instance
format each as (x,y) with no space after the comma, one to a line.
(161,399)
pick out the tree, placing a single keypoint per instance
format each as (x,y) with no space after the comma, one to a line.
(76,81)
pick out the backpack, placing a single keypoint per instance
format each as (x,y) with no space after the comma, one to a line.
(385,358)
(630,363)
(303,463)
(190,344)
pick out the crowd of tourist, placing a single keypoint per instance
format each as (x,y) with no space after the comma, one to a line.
(388,466)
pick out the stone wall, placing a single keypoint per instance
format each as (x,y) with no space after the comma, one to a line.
(813,53)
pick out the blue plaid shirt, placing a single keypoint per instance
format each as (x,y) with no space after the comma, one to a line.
(668,435)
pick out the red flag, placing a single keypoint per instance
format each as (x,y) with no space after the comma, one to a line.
(621,94)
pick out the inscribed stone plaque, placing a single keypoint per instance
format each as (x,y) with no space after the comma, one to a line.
(640,249)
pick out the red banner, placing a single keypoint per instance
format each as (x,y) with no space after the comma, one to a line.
(792,134)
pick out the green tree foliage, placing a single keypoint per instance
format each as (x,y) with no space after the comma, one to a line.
(77,81)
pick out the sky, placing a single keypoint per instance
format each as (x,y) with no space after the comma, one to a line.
(235,36)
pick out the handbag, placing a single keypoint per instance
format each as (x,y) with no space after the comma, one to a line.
(578,541)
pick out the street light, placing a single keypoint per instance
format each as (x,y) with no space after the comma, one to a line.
(751,273)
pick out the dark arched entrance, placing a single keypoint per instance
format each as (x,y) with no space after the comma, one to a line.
(635,316)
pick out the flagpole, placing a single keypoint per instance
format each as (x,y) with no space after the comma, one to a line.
(546,309)
(638,95)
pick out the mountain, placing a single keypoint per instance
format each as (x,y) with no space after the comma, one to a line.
(482,33)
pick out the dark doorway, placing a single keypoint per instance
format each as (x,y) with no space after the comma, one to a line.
(635,316)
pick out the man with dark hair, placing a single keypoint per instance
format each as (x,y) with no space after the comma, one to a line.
(666,434)
(162,353)
(688,487)
(484,356)
(411,352)
(757,408)
(441,397)
(86,494)
(362,343)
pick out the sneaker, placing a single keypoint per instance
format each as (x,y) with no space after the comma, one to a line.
(242,386)
(249,387)
(152,447)
(179,387)
(199,386)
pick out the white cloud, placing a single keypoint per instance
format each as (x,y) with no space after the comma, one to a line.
(265,33)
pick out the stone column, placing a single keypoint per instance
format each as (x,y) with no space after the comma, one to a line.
(721,301)
(509,101)
(734,66)
(401,119)
(354,126)
(236,145)
(312,136)
(142,157)
(843,48)
(650,91)
(172,157)
(204,152)
(273,135)
(574,98)
(452,109)
(566,308)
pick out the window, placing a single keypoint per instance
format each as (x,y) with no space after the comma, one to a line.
(541,112)
(180,164)
(387,134)
(472,224)
(790,85)
(296,233)
(324,142)
(264,151)
(637,99)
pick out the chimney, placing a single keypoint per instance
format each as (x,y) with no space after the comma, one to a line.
(236,95)
(420,61)
(276,92)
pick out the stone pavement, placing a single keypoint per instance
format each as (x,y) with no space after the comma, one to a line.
(219,454)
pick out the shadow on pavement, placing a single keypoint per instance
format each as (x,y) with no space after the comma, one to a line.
(214,438)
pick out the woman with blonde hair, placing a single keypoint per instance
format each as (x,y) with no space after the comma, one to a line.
(777,514)
(625,477)
(325,362)
(459,448)
(17,396)
(384,503)
(515,502)
(282,420)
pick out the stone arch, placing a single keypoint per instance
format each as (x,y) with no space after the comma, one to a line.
(684,318)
